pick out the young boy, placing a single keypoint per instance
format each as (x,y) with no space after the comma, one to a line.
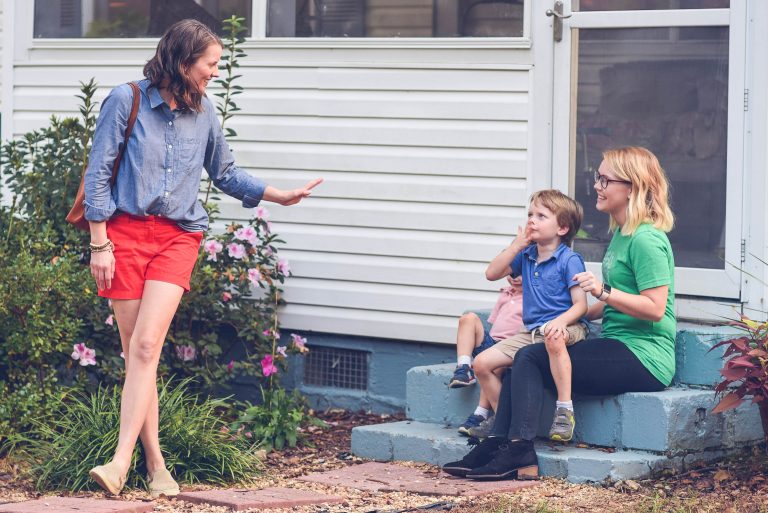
(553,304)
(472,338)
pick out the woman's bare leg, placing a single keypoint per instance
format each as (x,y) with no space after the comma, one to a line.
(156,310)
(126,312)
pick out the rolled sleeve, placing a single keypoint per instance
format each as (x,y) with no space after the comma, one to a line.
(220,165)
(107,137)
(573,266)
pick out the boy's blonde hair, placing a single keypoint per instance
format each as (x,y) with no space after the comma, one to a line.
(649,194)
(567,211)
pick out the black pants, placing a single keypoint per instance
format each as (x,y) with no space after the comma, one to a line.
(601,366)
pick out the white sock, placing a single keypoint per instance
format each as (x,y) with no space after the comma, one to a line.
(483,412)
(465,359)
(568,405)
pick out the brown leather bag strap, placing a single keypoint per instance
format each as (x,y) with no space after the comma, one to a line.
(128,129)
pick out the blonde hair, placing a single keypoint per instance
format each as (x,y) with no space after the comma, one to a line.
(649,194)
(567,211)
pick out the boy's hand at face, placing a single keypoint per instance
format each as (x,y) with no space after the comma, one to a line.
(523,239)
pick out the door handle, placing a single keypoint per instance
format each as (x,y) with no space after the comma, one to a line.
(557,23)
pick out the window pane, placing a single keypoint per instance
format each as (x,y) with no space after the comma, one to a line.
(671,96)
(395,18)
(130,18)
(647,5)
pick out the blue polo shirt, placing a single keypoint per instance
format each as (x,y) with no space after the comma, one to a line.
(547,284)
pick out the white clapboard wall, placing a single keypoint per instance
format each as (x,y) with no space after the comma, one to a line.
(423,151)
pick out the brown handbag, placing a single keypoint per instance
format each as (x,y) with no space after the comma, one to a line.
(76,216)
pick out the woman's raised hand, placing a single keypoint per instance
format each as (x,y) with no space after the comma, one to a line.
(293,196)
(589,283)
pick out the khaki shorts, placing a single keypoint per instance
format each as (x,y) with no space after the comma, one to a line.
(510,346)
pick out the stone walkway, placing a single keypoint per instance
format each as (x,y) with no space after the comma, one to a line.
(380,477)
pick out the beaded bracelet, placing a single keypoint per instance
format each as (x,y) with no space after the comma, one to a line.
(100,248)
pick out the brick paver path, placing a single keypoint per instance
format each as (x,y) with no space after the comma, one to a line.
(261,499)
(387,477)
(76,505)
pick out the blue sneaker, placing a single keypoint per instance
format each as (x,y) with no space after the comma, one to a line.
(473,421)
(463,376)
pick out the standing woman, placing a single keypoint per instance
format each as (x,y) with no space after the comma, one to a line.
(146,229)
(635,298)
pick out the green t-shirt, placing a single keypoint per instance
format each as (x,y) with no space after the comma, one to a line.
(642,261)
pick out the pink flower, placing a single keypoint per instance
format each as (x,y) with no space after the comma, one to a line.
(230,366)
(269,227)
(283,267)
(248,434)
(212,247)
(226,296)
(186,353)
(248,233)
(122,355)
(281,350)
(268,366)
(236,250)
(85,355)
(109,303)
(300,342)
(267,333)
(262,213)
(269,251)
(254,275)
(110,320)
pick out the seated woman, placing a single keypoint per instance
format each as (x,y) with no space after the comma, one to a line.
(636,350)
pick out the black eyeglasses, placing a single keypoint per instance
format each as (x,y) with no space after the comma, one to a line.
(604,180)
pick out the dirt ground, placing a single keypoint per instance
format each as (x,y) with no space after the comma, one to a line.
(739,485)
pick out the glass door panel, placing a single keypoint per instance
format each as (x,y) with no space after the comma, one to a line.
(665,88)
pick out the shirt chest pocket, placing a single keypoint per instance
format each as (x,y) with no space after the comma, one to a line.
(553,285)
(190,156)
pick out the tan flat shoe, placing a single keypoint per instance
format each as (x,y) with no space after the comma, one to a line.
(162,483)
(108,477)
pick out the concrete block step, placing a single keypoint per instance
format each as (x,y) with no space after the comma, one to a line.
(694,364)
(436,444)
(674,420)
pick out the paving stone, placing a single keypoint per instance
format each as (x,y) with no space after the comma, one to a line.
(242,499)
(386,477)
(76,505)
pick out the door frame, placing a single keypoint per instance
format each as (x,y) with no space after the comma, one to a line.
(727,283)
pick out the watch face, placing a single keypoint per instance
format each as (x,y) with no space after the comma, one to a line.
(606,287)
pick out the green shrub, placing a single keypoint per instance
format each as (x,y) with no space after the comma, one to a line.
(83,432)
(275,423)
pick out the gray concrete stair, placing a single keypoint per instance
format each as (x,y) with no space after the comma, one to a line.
(672,421)
(641,433)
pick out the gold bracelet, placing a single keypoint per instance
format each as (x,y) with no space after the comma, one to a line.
(107,246)
(100,246)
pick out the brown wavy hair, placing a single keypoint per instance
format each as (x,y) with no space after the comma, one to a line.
(181,45)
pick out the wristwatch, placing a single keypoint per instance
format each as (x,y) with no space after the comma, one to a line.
(605,293)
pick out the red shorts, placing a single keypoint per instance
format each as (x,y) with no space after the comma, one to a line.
(149,248)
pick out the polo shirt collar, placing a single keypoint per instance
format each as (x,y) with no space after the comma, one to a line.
(532,252)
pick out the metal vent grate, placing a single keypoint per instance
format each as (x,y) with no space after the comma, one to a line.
(334,367)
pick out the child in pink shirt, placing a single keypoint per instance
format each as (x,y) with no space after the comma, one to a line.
(471,339)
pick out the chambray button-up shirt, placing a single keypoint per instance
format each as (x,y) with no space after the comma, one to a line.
(163,162)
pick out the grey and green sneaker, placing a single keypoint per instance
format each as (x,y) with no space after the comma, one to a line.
(562,426)
(484,430)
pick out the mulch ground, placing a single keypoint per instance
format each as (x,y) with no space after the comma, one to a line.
(738,485)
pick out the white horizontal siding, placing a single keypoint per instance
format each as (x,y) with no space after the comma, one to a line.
(425,170)
(1,53)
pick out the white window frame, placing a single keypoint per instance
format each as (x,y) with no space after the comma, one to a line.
(719,283)
(259,33)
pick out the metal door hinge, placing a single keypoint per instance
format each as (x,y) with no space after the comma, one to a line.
(743,251)
(746,100)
